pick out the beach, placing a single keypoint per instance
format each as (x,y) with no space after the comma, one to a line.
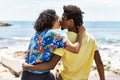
(110,68)
(17,37)
(7,74)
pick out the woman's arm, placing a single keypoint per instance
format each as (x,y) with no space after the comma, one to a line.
(76,46)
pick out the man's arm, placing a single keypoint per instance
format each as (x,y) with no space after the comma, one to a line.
(76,46)
(99,65)
(43,66)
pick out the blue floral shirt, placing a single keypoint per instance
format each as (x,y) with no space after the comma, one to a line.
(42,46)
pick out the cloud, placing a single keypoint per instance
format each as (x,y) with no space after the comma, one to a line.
(30,9)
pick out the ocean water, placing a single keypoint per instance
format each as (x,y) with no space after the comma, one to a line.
(17,37)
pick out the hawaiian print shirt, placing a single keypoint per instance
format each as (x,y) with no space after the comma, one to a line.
(42,46)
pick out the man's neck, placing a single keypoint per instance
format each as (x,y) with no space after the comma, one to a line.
(73,29)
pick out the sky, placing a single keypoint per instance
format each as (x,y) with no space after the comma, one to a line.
(95,10)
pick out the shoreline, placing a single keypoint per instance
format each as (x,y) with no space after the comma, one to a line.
(109,55)
(108,72)
(5,71)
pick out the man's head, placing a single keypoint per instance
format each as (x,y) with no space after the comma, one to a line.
(72,17)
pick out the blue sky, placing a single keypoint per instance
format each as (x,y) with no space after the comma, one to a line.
(95,10)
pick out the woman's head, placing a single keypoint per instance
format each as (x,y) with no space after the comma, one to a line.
(45,20)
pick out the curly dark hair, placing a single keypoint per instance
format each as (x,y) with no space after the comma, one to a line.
(74,12)
(45,20)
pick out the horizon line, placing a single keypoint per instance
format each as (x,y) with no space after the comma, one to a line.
(83,20)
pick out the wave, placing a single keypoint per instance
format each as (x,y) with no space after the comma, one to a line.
(16,38)
(20,38)
(108,41)
(99,40)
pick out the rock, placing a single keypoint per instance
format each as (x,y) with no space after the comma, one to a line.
(4,48)
(116,71)
(5,24)
(20,54)
(5,72)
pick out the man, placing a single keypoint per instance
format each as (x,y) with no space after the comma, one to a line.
(74,66)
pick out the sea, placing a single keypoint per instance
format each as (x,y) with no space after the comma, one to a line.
(107,33)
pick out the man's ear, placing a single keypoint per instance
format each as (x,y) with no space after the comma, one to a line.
(70,21)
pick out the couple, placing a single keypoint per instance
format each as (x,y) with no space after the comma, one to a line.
(74,66)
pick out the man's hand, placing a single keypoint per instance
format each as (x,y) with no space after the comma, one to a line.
(26,66)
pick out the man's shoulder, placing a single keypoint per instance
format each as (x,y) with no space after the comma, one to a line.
(72,36)
(89,35)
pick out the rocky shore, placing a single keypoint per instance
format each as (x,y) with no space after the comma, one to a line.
(5,72)
(21,54)
(4,24)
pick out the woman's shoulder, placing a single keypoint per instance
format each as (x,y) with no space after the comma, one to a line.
(55,32)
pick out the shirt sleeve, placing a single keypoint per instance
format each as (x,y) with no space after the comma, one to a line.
(32,44)
(95,45)
(59,51)
(61,43)
(58,38)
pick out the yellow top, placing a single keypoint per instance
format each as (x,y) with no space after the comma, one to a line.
(77,66)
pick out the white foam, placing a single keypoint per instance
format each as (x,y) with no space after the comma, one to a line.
(111,53)
(21,38)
